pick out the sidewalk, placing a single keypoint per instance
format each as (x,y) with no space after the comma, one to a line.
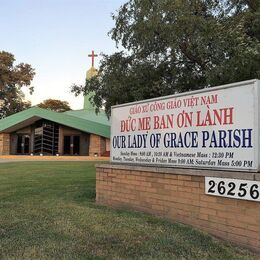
(17,158)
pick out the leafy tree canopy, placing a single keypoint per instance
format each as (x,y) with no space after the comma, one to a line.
(55,105)
(12,79)
(172,46)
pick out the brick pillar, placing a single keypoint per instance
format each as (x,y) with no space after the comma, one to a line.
(107,145)
(4,144)
(97,145)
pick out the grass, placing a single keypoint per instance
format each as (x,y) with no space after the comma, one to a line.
(48,210)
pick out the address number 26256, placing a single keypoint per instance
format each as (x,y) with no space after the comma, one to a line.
(233,188)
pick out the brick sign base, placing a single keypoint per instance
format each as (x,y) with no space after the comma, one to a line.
(179,194)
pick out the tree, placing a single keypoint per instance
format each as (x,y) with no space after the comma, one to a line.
(12,79)
(55,105)
(177,45)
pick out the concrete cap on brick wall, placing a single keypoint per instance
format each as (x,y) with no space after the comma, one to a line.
(184,171)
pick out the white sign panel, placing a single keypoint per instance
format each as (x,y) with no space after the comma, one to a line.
(210,128)
(232,188)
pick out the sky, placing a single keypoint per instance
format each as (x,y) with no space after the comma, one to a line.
(55,37)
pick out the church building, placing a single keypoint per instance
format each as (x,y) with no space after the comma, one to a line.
(38,131)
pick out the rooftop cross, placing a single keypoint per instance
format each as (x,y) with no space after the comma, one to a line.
(92,55)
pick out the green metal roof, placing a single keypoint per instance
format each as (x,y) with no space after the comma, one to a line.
(80,120)
(90,115)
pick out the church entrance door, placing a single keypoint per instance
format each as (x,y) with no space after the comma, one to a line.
(71,145)
(23,144)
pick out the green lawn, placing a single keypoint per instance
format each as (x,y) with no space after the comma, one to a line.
(47,210)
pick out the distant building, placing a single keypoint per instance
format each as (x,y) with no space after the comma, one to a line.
(43,132)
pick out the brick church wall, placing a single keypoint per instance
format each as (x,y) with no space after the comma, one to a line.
(179,195)
(97,145)
(4,144)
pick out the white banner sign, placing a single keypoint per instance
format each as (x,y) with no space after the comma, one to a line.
(210,128)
